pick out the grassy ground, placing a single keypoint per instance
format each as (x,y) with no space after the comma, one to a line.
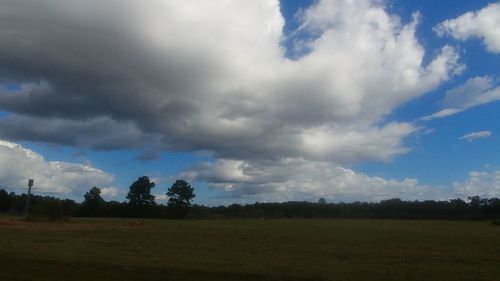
(131,249)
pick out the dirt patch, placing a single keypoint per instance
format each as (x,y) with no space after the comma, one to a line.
(135,224)
(8,222)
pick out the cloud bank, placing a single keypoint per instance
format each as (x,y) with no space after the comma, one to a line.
(18,164)
(192,76)
(213,76)
(484,184)
(299,179)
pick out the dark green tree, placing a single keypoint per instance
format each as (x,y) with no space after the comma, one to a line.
(69,207)
(52,208)
(5,201)
(180,196)
(93,202)
(93,196)
(139,194)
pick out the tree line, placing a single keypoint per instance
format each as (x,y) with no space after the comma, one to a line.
(141,203)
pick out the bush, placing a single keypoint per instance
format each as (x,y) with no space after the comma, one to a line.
(50,210)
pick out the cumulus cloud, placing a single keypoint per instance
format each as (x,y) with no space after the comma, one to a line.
(213,76)
(484,184)
(109,192)
(483,24)
(197,77)
(18,164)
(476,91)
(299,179)
(476,135)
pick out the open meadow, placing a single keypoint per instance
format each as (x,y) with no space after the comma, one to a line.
(146,249)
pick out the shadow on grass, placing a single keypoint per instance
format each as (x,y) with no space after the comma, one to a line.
(29,269)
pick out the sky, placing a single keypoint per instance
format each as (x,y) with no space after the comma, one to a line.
(252,101)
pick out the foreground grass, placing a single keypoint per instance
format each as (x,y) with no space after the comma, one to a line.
(131,249)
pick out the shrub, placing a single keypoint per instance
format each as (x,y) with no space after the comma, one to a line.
(50,210)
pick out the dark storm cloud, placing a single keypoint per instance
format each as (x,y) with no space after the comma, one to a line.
(77,65)
(162,67)
(100,133)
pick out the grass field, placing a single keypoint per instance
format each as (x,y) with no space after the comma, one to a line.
(132,249)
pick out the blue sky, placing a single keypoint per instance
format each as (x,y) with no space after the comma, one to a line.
(263,101)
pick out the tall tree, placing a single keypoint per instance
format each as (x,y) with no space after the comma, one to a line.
(5,201)
(93,196)
(139,194)
(180,194)
(93,202)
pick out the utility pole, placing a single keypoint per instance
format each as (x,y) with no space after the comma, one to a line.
(30,184)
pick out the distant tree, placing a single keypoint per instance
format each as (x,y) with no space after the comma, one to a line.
(139,194)
(69,207)
(180,196)
(458,202)
(5,201)
(93,202)
(494,206)
(458,207)
(93,196)
(321,200)
(477,202)
(18,202)
(52,208)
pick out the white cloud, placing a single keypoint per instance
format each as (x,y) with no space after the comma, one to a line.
(109,192)
(18,164)
(299,179)
(476,135)
(484,184)
(441,114)
(355,145)
(161,198)
(484,24)
(476,91)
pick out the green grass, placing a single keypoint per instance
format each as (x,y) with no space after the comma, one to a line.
(132,249)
